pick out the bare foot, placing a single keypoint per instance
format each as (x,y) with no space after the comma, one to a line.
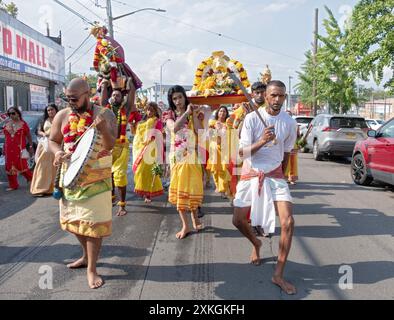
(255,256)
(121,212)
(284,285)
(94,280)
(80,263)
(147,200)
(182,234)
(197,225)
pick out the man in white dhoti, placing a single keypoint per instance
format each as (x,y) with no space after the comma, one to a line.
(262,187)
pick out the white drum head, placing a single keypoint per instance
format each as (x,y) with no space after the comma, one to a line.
(78,157)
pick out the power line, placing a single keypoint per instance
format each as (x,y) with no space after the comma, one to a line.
(215,33)
(67,22)
(79,47)
(90,10)
(245,62)
(84,54)
(73,11)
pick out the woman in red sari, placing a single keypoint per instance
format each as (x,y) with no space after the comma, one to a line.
(16,132)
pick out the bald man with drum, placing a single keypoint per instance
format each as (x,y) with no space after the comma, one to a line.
(86,208)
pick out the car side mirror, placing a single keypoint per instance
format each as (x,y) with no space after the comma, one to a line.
(372,133)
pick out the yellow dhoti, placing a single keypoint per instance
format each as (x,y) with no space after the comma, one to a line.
(91,217)
(87,209)
(120,160)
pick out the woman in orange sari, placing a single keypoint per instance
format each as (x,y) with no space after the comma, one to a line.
(291,172)
(16,132)
(218,162)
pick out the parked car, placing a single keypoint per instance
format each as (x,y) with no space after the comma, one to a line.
(303,122)
(373,158)
(32,119)
(374,124)
(335,135)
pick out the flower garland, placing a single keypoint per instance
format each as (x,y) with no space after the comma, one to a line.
(121,116)
(200,73)
(76,126)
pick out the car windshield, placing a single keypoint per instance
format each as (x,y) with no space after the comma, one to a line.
(338,122)
(304,120)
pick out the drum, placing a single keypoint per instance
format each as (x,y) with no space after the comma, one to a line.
(82,168)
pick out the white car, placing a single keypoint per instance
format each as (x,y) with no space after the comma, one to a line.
(303,122)
(374,124)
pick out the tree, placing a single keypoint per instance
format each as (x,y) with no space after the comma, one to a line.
(340,93)
(10,8)
(306,76)
(370,40)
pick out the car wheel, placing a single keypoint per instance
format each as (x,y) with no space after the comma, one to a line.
(317,155)
(359,171)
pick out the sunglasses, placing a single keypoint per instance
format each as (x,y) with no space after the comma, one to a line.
(75,100)
(11,113)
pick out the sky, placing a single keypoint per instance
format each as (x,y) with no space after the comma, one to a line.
(255,32)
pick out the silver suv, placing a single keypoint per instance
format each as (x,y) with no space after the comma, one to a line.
(335,135)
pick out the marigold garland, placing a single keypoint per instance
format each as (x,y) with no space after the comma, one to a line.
(76,126)
(201,84)
(121,116)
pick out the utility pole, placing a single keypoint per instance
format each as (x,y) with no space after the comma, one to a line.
(69,72)
(110,19)
(314,87)
(156,93)
(289,97)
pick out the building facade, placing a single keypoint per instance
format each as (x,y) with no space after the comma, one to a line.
(32,66)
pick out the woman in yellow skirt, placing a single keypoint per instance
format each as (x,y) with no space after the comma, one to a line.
(148,153)
(186,187)
(218,162)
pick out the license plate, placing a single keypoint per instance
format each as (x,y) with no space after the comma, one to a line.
(350,135)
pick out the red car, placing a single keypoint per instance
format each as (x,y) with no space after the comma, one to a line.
(373,158)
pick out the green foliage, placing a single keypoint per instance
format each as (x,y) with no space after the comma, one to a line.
(10,8)
(157,170)
(331,60)
(370,40)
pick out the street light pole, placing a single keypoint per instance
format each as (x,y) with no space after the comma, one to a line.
(161,78)
(111,19)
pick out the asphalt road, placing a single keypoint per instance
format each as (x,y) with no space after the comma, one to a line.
(338,224)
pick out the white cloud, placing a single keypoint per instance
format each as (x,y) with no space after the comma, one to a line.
(280,5)
(149,39)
